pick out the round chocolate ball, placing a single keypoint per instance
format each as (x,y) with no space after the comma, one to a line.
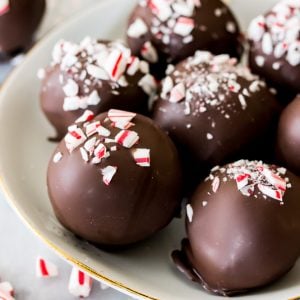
(18,22)
(169,31)
(95,75)
(288,139)
(243,228)
(115,180)
(216,112)
(275,47)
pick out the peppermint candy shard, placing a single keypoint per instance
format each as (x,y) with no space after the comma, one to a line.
(141,157)
(120,116)
(80,284)
(45,268)
(74,138)
(137,29)
(189,213)
(57,157)
(127,138)
(108,173)
(4,7)
(87,116)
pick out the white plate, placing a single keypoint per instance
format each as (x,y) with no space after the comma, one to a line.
(144,272)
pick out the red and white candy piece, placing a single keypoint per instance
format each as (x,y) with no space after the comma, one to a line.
(102,131)
(4,7)
(160,8)
(242,180)
(108,173)
(6,288)
(273,179)
(149,52)
(80,284)
(141,157)
(133,65)
(92,128)
(268,191)
(74,138)
(116,64)
(137,29)
(215,184)
(120,116)
(184,26)
(177,93)
(127,138)
(100,151)
(45,268)
(86,117)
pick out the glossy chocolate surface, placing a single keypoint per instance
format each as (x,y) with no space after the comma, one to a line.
(288,138)
(237,242)
(214,28)
(136,203)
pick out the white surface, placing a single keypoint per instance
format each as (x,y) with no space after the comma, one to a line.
(24,153)
(20,247)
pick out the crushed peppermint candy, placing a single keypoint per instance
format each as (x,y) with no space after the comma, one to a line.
(4,7)
(141,157)
(88,65)
(278,32)
(206,81)
(253,178)
(95,141)
(6,291)
(45,268)
(189,213)
(80,284)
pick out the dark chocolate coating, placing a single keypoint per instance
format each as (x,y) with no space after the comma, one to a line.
(288,139)
(138,202)
(18,25)
(130,98)
(247,132)
(274,48)
(236,243)
(214,38)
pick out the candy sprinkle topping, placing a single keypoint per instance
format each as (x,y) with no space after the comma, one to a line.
(86,66)
(95,141)
(278,32)
(253,178)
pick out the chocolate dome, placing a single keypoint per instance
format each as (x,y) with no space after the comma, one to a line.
(243,228)
(18,22)
(95,75)
(169,31)
(116,179)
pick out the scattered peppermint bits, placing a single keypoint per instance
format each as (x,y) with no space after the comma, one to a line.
(137,29)
(95,141)
(4,7)
(80,284)
(205,81)
(45,268)
(86,66)
(253,178)
(278,32)
(189,213)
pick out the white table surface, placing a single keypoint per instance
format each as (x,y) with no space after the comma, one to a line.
(19,246)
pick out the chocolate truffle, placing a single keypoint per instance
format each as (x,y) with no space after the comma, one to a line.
(243,228)
(115,180)
(288,139)
(275,47)
(18,22)
(216,112)
(169,31)
(95,75)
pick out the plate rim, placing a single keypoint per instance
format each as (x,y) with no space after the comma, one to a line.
(8,195)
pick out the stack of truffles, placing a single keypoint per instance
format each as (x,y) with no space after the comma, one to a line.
(173,114)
